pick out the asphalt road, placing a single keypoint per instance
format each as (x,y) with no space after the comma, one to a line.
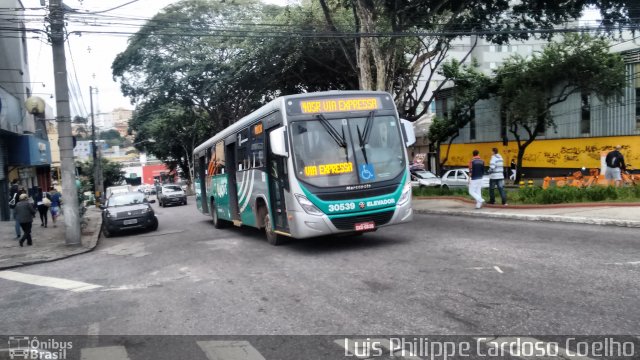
(438,275)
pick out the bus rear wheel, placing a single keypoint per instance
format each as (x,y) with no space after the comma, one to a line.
(272,238)
(217,222)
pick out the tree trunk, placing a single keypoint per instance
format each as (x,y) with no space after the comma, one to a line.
(364,54)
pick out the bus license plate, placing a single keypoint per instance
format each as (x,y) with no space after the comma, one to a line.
(364,226)
(130,222)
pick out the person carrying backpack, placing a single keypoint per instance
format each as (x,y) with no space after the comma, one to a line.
(615,165)
(14,193)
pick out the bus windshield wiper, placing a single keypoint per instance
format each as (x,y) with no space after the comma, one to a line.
(335,135)
(363,137)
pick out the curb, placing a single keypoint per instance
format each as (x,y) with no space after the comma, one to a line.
(91,240)
(547,206)
(546,218)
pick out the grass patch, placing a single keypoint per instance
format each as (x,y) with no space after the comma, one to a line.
(553,195)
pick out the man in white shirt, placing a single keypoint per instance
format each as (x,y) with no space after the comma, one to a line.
(496,177)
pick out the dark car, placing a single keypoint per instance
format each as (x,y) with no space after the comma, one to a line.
(171,194)
(127,211)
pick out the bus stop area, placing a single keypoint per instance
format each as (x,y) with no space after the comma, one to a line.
(49,243)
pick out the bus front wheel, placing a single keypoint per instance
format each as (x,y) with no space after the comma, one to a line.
(272,237)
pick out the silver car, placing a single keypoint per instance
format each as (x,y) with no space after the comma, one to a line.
(457,178)
(424,178)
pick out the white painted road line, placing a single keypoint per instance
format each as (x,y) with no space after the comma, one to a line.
(104,353)
(229,350)
(498,269)
(47,281)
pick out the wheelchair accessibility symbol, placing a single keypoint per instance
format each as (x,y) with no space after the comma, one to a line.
(367,173)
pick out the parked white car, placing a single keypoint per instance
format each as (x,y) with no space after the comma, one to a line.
(457,178)
(422,178)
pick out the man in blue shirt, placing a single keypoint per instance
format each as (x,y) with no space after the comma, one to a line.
(476,171)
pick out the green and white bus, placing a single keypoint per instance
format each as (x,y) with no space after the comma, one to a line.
(309,165)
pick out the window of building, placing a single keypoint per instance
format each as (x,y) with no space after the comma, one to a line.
(504,48)
(585,119)
(492,48)
(472,125)
(503,125)
(637,86)
(514,48)
(492,65)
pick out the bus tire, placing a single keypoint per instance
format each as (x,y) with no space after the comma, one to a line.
(272,238)
(217,222)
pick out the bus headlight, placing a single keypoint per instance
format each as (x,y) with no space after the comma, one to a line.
(406,194)
(308,206)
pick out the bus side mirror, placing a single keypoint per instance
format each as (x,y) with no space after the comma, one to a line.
(408,133)
(278,142)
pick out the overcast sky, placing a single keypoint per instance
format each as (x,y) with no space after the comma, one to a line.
(89,56)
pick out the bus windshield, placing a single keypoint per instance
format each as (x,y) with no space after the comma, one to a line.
(347,151)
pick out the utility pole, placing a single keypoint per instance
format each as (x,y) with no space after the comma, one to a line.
(98,184)
(69,190)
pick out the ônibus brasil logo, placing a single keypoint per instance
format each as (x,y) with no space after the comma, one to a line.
(25,347)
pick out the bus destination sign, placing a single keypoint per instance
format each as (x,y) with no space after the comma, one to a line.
(337,105)
(328,169)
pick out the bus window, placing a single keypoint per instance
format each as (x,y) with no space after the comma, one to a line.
(219,157)
(257,146)
(242,150)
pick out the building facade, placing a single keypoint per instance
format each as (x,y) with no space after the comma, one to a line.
(25,152)
(587,127)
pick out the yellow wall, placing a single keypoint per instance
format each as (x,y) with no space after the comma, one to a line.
(560,153)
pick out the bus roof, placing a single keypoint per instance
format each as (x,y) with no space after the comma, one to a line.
(275,104)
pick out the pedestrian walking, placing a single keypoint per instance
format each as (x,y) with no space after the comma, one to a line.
(496,177)
(43,201)
(615,165)
(14,194)
(476,172)
(25,214)
(56,201)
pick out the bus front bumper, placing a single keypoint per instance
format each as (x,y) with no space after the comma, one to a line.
(302,225)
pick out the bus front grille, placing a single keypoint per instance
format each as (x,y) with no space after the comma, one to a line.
(349,222)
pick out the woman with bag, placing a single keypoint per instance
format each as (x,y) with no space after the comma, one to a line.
(43,202)
(56,200)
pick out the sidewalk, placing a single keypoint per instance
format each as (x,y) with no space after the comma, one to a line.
(48,243)
(612,214)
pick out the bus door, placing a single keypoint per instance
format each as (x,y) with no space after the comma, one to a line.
(230,159)
(278,183)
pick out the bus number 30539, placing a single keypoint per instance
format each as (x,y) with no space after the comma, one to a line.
(342,207)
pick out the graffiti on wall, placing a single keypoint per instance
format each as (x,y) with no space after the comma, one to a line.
(561,153)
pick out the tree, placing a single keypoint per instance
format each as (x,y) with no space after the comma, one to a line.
(389,58)
(189,85)
(471,85)
(529,88)
(79,120)
(112,172)
(175,132)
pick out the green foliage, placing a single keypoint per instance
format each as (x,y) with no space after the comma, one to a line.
(191,86)
(439,191)
(570,194)
(471,85)
(112,173)
(553,195)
